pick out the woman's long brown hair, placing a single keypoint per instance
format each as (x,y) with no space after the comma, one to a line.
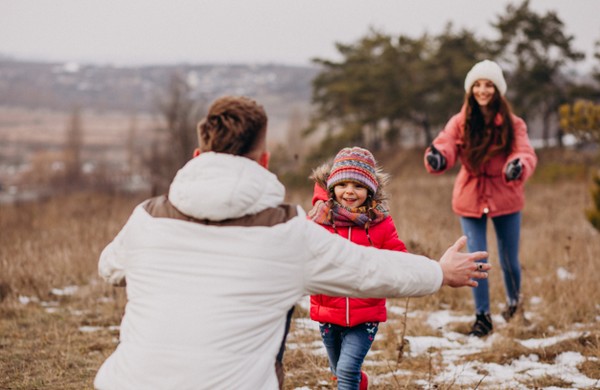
(483,140)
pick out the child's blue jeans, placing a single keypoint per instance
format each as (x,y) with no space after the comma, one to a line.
(507,234)
(346,349)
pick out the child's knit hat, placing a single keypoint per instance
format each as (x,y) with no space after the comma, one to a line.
(354,164)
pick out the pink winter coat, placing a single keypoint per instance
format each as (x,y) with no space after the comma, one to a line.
(346,311)
(488,192)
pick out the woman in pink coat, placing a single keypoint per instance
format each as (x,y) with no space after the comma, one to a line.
(497,158)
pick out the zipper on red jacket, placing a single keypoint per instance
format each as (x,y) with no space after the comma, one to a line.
(347,298)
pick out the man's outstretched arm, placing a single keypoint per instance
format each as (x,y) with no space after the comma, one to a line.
(341,268)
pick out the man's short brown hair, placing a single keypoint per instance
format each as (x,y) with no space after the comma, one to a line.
(234,124)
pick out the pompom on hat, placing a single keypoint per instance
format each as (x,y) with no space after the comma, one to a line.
(488,70)
(356,165)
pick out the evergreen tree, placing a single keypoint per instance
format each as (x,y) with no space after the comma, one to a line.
(537,50)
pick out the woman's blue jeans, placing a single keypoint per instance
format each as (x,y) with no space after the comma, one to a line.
(507,234)
(346,349)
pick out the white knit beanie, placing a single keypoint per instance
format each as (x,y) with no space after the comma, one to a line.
(488,70)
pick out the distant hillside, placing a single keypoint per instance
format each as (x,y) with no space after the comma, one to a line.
(60,86)
(37,100)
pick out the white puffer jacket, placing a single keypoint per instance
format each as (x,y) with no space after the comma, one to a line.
(207,304)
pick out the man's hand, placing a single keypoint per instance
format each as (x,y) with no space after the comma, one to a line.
(461,268)
(436,161)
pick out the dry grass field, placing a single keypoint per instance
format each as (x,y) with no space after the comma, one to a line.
(59,321)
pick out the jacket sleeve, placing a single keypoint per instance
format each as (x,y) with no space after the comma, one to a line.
(337,267)
(523,151)
(447,143)
(111,266)
(392,241)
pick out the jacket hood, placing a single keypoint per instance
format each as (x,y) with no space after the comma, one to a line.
(217,186)
(321,173)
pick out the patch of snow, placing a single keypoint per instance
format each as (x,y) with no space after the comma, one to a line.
(68,290)
(23,300)
(565,368)
(304,302)
(419,345)
(312,345)
(88,329)
(521,370)
(306,323)
(49,304)
(546,342)
(439,319)
(399,311)
(472,373)
(535,300)
(454,347)
(563,274)
(315,347)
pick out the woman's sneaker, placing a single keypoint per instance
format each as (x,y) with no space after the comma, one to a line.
(482,326)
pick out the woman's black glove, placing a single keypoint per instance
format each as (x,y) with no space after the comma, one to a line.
(514,170)
(436,161)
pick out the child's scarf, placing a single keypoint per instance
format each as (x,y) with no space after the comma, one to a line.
(331,213)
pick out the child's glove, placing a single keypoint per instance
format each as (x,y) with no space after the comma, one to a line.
(514,170)
(436,161)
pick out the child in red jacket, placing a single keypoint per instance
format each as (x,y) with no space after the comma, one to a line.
(349,200)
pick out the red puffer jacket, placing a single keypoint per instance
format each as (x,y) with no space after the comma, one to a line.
(488,192)
(347,311)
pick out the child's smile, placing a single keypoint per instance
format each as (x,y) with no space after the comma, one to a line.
(350,194)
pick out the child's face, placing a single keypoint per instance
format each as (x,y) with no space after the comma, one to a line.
(350,194)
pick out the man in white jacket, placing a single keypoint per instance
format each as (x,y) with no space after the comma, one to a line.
(212,269)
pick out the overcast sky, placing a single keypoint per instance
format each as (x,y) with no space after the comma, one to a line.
(134,32)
